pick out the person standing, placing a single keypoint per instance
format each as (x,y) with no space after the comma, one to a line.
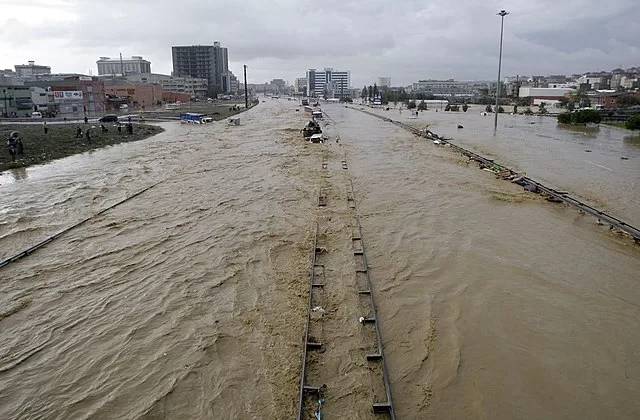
(45,128)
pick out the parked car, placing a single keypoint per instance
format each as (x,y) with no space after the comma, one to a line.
(124,106)
(36,115)
(108,118)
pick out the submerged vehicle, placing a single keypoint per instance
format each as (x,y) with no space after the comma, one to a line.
(310,129)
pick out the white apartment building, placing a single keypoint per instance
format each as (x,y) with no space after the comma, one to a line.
(448,87)
(123,66)
(329,82)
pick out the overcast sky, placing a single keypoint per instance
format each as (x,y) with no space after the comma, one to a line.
(406,40)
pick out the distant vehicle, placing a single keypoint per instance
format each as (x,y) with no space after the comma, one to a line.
(305,101)
(36,115)
(170,107)
(124,106)
(108,118)
(317,114)
(193,118)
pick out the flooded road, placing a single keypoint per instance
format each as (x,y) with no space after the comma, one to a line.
(600,164)
(189,300)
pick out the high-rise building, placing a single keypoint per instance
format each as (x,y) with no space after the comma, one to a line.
(328,82)
(384,81)
(210,62)
(123,66)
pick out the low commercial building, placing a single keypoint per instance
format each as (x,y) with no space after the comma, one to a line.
(15,101)
(138,95)
(75,96)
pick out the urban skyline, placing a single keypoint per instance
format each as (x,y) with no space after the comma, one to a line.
(412,41)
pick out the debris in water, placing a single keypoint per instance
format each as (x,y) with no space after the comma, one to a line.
(361,320)
(318,309)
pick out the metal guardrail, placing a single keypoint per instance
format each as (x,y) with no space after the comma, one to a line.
(384,407)
(306,344)
(562,196)
(39,245)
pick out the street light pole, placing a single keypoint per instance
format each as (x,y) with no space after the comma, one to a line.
(502,14)
(246,96)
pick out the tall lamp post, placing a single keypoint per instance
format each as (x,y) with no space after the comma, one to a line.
(502,14)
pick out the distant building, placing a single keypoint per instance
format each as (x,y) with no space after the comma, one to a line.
(328,82)
(209,62)
(124,66)
(234,83)
(595,81)
(384,81)
(300,86)
(448,87)
(15,99)
(192,86)
(31,70)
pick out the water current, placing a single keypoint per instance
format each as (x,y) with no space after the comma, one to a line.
(188,301)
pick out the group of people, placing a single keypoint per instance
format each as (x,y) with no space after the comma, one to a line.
(14,146)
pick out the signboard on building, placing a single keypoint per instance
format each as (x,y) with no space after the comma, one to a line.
(67,96)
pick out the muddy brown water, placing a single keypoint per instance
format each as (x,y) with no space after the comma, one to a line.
(189,300)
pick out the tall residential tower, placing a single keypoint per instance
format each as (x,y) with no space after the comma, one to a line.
(209,62)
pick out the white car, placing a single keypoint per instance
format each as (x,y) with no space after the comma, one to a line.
(36,115)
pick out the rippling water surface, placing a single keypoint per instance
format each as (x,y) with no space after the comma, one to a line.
(188,301)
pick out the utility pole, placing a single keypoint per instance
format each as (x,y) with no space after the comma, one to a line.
(121,65)
(502,14)
(246,96)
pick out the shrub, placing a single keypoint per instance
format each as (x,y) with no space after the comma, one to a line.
(465,107)
(580,117)
(528,111)
(447,108)
(488,108)
(564,118)
(500,109)
(411,105)
(633,123)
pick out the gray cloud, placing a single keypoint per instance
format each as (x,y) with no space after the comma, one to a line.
(407,40)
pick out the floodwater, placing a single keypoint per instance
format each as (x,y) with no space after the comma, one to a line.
(600,164)
(188,301)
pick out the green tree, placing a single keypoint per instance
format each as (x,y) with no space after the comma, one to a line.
(488,108)
(525,101)
(375,90)
(364,92)
(633,123)
(447,108)
(422,106)
(625,101)
(370,92)
(411,104)
(465,107)
(528,111)
(582,116)
(500,109)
